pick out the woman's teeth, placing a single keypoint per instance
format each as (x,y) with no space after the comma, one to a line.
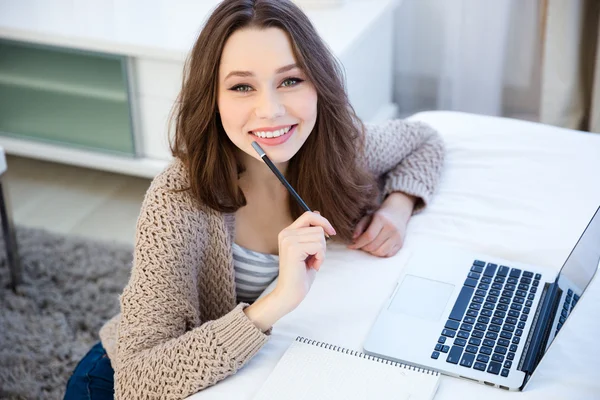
(272,134)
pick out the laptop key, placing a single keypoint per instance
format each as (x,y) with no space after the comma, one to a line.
(504,342)
(471,349)
(479,366)
(470,282)
(435,355)
(481,327)
(491,335)
(467,360)
(477,268)
(536,283)
(494,368)
(510,356)
(500,350)
(486,313)
(528,303)
(515,273)
(521,325)
(474,275)
(486,279)
(462,301)
(460,342)
(474,341)
(442,339)
(518,332)
(503,270)
(483,358)
(490,270)
(523,317)
(445,348)
(477,334)
(450,324)
(483,320)
(497,357)
(502,307)
(485,350)
(497,321)
(479,263)
(516,340)
(505,335)
(512,281)
(528,274)
(463,334)
(472,313)
(538,276)
(469,320)
(511,320)
(497,286)
(513,348)
(494,328)
(454,355)
(438,347)
(504,372)
(488,343)
(448,332)
(531,296)
(507,364)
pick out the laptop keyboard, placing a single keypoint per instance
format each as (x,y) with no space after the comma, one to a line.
(485,325)
(570,300)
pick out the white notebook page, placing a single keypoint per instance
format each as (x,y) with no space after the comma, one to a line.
(307,371)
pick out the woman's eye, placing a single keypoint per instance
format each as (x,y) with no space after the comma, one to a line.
(291,82)
(241,88)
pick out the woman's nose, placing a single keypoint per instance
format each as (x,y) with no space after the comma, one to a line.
(269,106)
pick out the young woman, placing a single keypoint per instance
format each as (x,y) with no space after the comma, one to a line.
(217,227)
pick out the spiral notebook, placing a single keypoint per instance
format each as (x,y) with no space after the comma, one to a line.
(317,370)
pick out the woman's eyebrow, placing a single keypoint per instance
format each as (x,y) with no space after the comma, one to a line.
(245,74)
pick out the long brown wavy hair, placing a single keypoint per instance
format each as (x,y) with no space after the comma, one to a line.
(326,172)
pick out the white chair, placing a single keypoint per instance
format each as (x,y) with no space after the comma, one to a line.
(8,228)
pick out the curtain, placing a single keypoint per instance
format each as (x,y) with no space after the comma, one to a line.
(474,56)
(570,70)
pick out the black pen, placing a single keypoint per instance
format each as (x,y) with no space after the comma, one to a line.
(280,176)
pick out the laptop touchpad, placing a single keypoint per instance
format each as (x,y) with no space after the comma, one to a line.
(422,298)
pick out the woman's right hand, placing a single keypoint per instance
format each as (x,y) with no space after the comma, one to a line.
(302,250)
(301,253)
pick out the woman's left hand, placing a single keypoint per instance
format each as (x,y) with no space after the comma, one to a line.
(382,233)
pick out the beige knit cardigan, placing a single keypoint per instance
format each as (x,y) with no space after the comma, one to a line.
(180,329)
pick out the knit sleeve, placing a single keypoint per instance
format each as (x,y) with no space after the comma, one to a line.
(407,155)
(164,350)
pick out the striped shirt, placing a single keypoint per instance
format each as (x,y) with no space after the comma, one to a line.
(254,271)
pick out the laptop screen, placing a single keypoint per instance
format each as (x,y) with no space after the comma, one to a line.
(577,272)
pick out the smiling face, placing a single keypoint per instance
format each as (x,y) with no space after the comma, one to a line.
(263,96)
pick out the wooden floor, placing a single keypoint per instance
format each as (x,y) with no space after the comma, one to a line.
(72,200)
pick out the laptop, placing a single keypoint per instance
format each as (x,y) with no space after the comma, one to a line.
(482,318)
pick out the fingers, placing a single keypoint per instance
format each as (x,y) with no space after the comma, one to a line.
(369,235)
(361,226)
(313,219)
(389,248)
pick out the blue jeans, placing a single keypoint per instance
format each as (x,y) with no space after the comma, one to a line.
(92,378)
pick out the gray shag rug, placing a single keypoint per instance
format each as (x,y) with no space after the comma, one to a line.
(71,286)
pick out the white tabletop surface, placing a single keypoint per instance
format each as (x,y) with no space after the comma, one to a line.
(511,189)
(160,28)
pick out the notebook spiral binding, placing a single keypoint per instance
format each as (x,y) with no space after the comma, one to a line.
(366,356)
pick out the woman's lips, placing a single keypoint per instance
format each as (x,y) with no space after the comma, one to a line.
(276,140)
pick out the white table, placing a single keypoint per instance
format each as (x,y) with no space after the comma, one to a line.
(512,189)
(154,39)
